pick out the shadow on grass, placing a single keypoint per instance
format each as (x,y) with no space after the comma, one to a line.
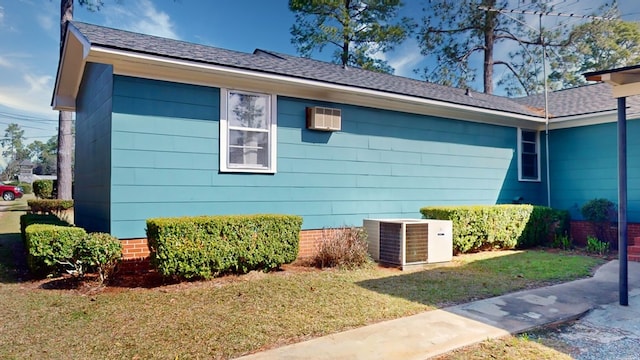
(13,264)
(494,275)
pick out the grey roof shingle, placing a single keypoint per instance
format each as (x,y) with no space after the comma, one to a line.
(583,100)
(292,66)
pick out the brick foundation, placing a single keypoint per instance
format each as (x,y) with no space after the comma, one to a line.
(581,229)
(135,256)
(309,240)
(135,252)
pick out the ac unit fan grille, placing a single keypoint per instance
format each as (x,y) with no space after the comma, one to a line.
(416,242)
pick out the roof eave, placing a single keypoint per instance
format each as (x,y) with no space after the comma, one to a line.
(70,70)
(625,81)
(130,63)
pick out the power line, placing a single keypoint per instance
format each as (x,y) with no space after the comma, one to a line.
(543,13)
(24,117)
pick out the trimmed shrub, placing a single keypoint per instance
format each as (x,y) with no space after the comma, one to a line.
(48,206)
(480,227)
(26,187)
(49,246)
(29,219)
(43,189)
(205,246)
(342,247)
(98,252)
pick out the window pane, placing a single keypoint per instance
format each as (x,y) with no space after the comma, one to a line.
(528,148)
(530,166)
(248,110)
(529,136)
(248,148)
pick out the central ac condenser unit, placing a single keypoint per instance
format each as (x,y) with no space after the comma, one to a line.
(409,242)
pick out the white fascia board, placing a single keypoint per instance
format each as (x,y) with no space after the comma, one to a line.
(75,51)
(185,71)
(583,120)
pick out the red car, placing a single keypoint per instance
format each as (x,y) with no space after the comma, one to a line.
(11,192)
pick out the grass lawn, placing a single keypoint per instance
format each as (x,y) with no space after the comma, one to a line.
(228,317)
(508,348)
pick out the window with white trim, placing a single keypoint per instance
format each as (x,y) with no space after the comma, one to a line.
(528,155)
(247,132)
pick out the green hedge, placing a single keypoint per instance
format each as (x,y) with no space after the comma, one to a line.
(43,189)
(205,246)
(29,219)
(26,187)
(49,245)
(49,205)
(499,226)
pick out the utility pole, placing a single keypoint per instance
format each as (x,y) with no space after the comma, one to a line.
(622,176)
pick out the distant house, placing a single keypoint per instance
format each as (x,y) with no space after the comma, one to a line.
(26,171)
(169,128)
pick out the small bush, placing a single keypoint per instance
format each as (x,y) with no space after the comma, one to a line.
(562,242)
(600,213)
(49,246)
(48,206)
(342,247)
(98,252)
(43,189)
(26,187)
(205,246)
(595,246)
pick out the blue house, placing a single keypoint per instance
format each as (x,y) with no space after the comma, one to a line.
(169,128)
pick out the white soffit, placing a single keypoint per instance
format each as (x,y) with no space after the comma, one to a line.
(624,83)
(70,70)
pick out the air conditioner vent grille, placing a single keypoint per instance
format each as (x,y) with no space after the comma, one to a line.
(324,119)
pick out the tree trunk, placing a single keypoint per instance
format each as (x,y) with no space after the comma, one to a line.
(489,43)
(346,36)
(65,138)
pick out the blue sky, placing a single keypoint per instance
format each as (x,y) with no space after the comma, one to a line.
(29,35)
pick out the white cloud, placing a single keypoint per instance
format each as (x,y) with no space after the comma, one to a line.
(32,95)
(406,61)
(46,22)
(5,63)
(38,83)
(142,17)
(1,15)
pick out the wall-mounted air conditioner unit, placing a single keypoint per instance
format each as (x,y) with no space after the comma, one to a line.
(324,119)
(409,242)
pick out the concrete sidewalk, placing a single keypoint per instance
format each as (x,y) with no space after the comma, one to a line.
(436,332)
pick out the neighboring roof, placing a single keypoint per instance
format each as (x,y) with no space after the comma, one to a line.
(281,64)
(131,47)
(583,100)
(611,71)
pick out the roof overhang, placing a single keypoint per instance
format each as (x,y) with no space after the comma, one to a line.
(78,51)
(625,81)
(70,69)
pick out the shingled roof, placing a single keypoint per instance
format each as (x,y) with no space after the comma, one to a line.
(583,100)
(303,68)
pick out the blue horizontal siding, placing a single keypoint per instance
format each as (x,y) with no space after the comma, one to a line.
(165,160)
(584,167)
(92,155)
